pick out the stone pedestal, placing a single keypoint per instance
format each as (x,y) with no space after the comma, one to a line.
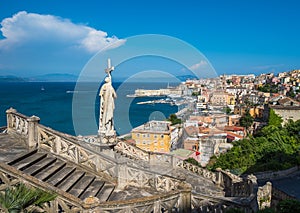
(33,131)
(9,117)
(107,138)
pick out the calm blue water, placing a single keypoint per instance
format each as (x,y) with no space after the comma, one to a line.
(54,105)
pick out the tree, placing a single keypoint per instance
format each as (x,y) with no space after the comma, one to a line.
(274,119)
(246,120)
(21,198)
(291,93)
(288,206)
(227,110)
(174,120)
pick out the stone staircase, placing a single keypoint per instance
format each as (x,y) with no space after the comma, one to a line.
(63,175)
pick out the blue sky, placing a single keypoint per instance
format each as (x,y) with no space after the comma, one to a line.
(235,36)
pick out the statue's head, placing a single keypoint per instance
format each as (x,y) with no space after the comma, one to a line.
(107,79)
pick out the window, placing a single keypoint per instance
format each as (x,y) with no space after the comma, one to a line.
(138,135)
(162,136)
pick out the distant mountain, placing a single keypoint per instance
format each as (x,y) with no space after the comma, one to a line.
(11,78)
(55,77)
(186,77)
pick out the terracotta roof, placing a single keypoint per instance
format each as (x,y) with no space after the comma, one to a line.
(234,128)
(191,130)
(286,100)
(234,135)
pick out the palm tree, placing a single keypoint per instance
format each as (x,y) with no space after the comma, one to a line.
(21,198)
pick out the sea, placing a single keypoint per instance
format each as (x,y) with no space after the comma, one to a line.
(53,103)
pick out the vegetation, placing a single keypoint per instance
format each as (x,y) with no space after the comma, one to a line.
(196,93)
(287,206)
(21,198)
(227,110)
(174,120)
(193,161)
(268,88)
(246,120)
(274,148)
(291,93)
(274,119)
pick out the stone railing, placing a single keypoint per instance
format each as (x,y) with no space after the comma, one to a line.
(278,195)
(22,125)
(17,122)
(207,204)
(163,159)
(68,147)
(235,186)
(197,170)
(264,195)
(132,151)
(129,175)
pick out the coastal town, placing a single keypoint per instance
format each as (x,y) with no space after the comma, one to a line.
(217,113)
(201,159)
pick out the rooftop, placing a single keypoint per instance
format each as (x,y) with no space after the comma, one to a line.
(154,126)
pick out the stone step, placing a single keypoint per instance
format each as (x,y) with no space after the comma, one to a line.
(21,157)
(105,192)
(80,187)
(93,189)
(39,166)
(29,161)
(49,171)
(61,175)
(68,183)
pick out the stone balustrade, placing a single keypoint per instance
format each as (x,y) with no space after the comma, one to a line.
(197,170)
(132,151)
(159,158)
(68,147)
(264,195)
(235,186)
(129,175)
(206,204)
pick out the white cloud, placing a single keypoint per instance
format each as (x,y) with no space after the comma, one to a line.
(30,28)
(199,65)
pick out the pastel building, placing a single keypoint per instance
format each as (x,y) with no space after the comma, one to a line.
(155,136)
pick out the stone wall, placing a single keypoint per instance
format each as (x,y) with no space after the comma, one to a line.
(278,195)
(272,175)
(287,113)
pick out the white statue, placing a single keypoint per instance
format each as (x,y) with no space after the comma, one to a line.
(107,95)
